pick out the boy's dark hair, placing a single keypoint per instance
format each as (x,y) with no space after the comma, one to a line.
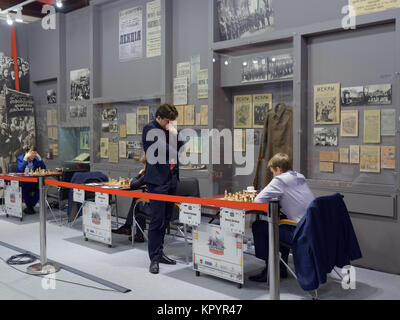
(33,148)
(167,111)
(280,160)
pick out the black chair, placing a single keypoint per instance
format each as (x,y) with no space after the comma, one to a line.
(12,167)
(187,187)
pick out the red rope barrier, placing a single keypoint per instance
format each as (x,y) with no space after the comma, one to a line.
(162,197)
(16,178)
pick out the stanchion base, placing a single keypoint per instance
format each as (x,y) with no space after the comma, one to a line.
(39,269)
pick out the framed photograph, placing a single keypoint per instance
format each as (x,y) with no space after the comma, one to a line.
(324,136)
(370,159)
(242,111)
(378,94)
(109,114)
(280,67)
(51,96)
(80,84)
(143,116)
(239,19)
(261,104)
(113,127)
(352,96)
(349,123)
(327,103)
(105,127)
(255,69)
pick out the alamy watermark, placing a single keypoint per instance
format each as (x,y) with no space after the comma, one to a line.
(49,21)
(212,142)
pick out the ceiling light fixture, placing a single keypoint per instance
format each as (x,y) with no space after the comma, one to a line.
(9,20)
(19,15)
(59,4)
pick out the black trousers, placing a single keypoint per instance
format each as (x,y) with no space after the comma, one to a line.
(161,213)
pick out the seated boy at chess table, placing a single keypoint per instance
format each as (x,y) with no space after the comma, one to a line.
(32,161)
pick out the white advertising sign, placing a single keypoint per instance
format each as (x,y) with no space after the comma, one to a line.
(190,214)
(79,195)
(13,201)
(233,220)
(97,222)
(218,252)
(101,199)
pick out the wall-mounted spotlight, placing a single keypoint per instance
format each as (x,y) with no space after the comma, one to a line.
(226,62)
(9,20)
(18,17)
(59,4)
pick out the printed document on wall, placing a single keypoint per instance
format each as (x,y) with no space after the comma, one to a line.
(153,30)
(130,34)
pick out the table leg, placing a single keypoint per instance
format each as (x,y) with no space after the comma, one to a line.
(44,267)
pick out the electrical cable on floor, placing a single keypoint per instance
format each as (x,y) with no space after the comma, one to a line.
(25,255)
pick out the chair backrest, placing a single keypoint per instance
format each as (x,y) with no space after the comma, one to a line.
(66,177)
(188,187)
(12,167)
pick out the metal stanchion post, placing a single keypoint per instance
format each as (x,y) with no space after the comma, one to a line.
(273,258)
(43,267)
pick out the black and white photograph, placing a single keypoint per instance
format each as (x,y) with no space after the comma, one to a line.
(105,127)
(80,84)
(280,67)
(255,69)
(109,114)
(51,96)
(243,18)
(7,73)
(113,126)
(78,111)
(352,96)
(130,144)
(377,94)
(17,126)
(325,136)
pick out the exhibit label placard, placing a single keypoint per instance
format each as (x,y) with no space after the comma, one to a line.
(79,195)
(101,199)
(190,214)
(233,220)
(153,30)
(361,7)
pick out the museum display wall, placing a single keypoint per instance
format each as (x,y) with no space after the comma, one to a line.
(84,48)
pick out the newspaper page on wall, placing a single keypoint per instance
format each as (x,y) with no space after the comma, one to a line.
(202,84)
(153,30)
(372,126)
(327,103)
(130,34)
(180,90)
(18,126)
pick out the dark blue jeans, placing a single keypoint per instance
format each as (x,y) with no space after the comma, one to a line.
(260,233)
(161,213)
(30,193)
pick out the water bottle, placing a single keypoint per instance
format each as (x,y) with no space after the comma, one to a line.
(249,244)
(26,172)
